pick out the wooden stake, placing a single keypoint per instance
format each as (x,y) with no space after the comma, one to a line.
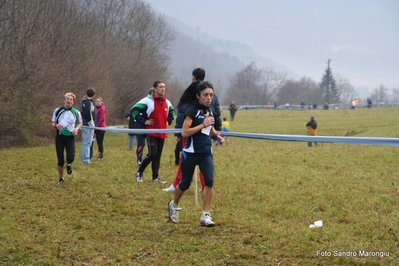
(195,187)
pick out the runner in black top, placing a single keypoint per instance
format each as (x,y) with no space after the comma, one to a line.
(198,129)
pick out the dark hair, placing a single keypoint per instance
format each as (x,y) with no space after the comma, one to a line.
(199,73)
(202,86)
(90,92)
(156,83)
(189,95)
(151,91)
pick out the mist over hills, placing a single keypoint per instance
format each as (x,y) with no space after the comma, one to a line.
(299,35)
(220,58)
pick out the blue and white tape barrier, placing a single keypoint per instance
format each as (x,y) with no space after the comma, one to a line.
(325,139)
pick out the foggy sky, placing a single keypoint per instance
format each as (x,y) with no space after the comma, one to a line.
(360,36)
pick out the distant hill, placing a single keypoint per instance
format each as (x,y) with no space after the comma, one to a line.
(188,54)
(220,58)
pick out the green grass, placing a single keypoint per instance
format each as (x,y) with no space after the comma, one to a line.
(267,193)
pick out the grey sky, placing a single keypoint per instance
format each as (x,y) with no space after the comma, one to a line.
(360,36)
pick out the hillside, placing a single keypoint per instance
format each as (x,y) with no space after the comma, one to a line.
(220,58)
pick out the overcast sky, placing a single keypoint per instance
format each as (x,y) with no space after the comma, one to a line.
(361,37)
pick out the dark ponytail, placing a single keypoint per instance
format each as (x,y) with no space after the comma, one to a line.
(190,94)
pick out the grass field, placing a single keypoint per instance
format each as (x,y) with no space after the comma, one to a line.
(267,193)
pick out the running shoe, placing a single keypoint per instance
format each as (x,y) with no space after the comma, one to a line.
(60,181)
(69,169)
(173,212)
(206,220)
(139,177)
(158,180)
(169,189)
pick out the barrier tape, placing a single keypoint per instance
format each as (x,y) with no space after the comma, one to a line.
(301,138)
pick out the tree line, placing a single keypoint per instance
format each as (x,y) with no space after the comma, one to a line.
(119,47)
(262,86)
(48,48)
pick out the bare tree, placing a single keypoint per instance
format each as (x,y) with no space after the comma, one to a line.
(347,91)
(273,81)
(255,86)
(174,89)
(50,47)
(380,95)
(141,39)
(294,92)
(395,95)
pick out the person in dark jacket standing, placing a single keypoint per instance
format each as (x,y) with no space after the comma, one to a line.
(88,117)
(155,112)
(186,100)
(233,109)
(312,130)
